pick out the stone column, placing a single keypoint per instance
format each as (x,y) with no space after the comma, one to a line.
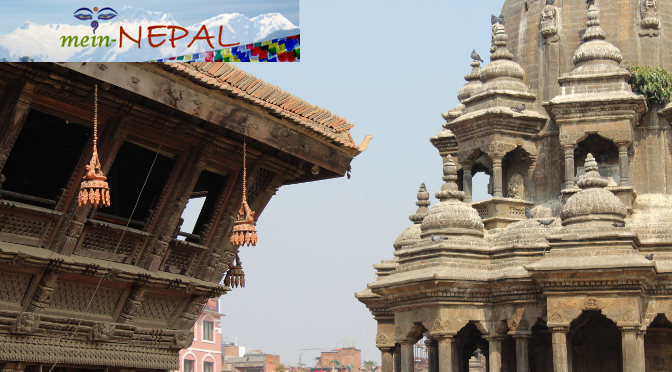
(530,180)
(497,174)
(559,335)
(397,359)
(466,182)
(640,351)
(632,349)
(522,358)
(570,352)
(458,355)
(407,359)
(445,354)
(387,355)
(495,353)
(623,163)
(569,166)
(432,355)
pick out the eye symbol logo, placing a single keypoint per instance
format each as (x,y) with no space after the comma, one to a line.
(82,15)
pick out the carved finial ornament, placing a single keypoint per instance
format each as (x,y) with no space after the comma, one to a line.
(94,189)
(244,231)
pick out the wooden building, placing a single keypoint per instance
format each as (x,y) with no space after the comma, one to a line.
(112,288)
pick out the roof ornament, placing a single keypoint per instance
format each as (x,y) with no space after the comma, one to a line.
(244,232)
(422,203)
(449,190)
(235,276)
(499,49)
(94,189)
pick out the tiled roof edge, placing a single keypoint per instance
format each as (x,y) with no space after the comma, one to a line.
(239,83)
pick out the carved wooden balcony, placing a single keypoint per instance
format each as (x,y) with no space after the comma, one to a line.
(102,240)
(182,257)
(25,224)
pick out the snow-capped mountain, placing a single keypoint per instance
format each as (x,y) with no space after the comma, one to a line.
(43,42)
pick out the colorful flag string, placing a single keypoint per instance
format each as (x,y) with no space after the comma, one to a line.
(286,49)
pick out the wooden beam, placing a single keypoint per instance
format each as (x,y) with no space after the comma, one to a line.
(217,108)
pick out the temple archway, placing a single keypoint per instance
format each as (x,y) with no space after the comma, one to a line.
(605,153)
(595,344)
(657,344)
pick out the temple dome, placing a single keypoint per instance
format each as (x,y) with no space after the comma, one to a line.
(593,199)
(502,65)
(451,215)
(594,47)
(473,84)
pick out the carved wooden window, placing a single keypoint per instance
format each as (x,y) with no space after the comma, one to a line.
(201,206)
(188,365)
(43,159)
(126,177)
(208,328)
(207,366)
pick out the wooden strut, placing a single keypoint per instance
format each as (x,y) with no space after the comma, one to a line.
(94,189)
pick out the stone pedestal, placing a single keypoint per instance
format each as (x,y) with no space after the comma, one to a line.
(501,212)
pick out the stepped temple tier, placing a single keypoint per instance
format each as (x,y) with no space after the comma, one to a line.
(567,267)
(96,270)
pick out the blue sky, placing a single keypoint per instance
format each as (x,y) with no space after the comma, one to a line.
(186,13)
(391,68)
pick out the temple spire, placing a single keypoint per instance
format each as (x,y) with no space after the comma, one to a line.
(500,48)
(422,203)
(449,190)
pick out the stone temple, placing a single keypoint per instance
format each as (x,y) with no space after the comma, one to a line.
(567,266)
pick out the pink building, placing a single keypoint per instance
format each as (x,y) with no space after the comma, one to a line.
(205,353)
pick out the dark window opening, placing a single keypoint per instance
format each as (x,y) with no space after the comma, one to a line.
(208,328)
(188,365)
(126,177)
(42,160)
(201,206)
(605,153)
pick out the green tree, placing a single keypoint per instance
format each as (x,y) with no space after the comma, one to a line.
(26,59)
(4,59)
(654,83)
(280,368)
(369,365)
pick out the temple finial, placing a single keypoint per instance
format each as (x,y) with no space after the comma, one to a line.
(450,190)
(422,203)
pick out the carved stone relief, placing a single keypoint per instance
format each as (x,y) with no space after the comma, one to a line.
(549,23)
(182,339)
(571,138)
(516,187)
(44,291)
(27,323)
(498,148)
(650,19)
(101,331)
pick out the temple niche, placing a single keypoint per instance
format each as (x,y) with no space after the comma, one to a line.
(566,266)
